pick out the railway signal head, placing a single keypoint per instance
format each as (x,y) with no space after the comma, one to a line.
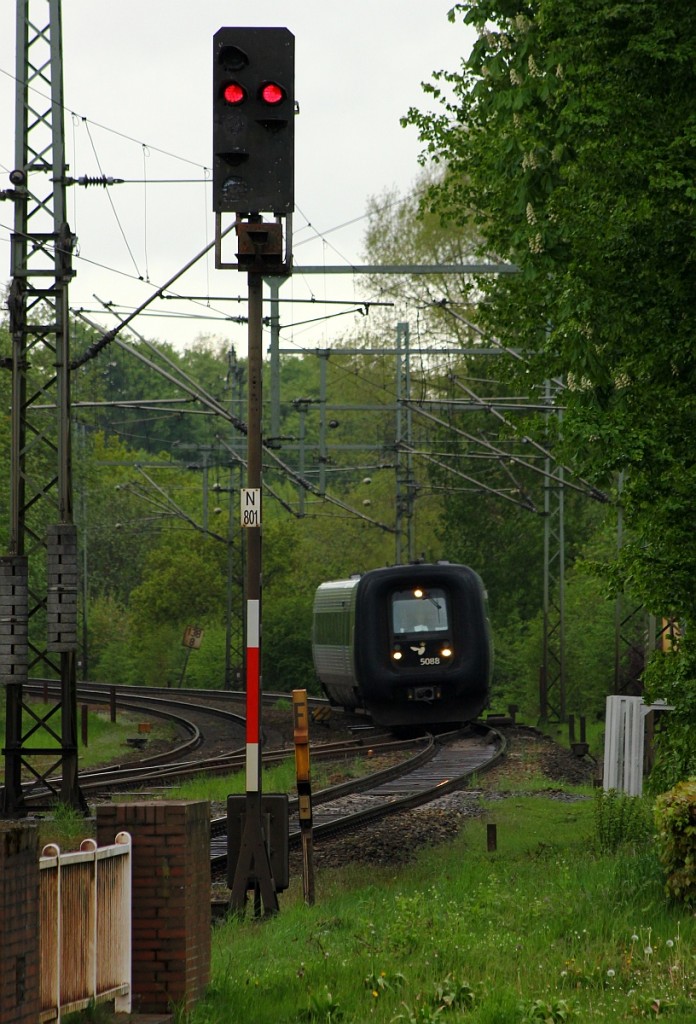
(253,120)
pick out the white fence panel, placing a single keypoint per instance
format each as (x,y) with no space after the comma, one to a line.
(85,927)
(624,743)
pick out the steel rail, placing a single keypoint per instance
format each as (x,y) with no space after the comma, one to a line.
(388,804)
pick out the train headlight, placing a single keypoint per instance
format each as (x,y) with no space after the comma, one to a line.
(446,652)
(397,655)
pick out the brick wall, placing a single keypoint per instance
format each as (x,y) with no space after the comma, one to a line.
(171,898)
(19,923)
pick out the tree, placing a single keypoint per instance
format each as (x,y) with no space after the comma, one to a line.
(569,134)
(570,139)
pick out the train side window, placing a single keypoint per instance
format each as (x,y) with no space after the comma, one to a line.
(419,611)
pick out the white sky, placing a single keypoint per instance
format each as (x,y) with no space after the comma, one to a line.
(137,78)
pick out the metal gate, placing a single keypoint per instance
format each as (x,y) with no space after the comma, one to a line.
(85,927)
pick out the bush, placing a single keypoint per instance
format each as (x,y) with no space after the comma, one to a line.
(675,816)
(620,820)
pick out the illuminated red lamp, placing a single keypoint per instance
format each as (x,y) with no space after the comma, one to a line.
(234,94)
(272,93)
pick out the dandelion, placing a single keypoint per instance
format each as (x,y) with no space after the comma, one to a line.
(669,943)
(611,972)
(634,938)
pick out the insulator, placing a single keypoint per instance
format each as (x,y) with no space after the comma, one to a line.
(102,180)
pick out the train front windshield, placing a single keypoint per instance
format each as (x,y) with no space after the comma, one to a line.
(419,611)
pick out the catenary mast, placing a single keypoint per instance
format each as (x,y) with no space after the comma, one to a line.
(38,575)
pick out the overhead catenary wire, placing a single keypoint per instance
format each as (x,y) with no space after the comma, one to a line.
(106,338)
(196,391)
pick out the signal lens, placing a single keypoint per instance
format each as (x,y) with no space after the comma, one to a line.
(272,93)
(234,94)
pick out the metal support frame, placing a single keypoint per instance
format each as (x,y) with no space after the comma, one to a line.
(552,689)
(41,515)
(405,487)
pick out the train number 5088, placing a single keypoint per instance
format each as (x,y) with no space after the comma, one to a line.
(430,661)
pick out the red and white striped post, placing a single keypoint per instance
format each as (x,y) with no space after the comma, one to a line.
(253,865)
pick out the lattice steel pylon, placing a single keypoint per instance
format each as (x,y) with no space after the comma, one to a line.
(552,695)
(405,485)
(38,576)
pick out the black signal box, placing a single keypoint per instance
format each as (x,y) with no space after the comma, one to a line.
(253,121)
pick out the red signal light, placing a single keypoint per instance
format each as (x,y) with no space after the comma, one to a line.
(234,94)
(272,93)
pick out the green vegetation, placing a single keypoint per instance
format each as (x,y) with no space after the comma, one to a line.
(565,146)
(281,778)
(66,828)
(564,143)
(675,816)
(550,927)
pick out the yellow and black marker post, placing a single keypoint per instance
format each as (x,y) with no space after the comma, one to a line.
(304,790)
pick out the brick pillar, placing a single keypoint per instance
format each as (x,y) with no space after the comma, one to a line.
(171,898)
(20,998)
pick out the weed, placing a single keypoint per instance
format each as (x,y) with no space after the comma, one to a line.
(66,828)
(93,1013)
(322,1009)
(380,983)
(553,1012)
(420,1013)
(453,994)
(621,820)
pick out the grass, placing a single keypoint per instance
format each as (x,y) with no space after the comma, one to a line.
(566,922)
(106,740)
(66,828)
(548,928)
(280,778)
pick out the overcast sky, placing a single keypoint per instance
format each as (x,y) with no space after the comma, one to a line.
(138,93)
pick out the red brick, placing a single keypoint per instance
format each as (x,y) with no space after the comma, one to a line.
(171,919)
(19,923)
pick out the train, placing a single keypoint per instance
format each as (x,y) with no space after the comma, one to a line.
(411,644)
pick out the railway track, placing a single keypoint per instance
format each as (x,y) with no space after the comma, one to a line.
(182,708)
(434,767)
(437,767)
